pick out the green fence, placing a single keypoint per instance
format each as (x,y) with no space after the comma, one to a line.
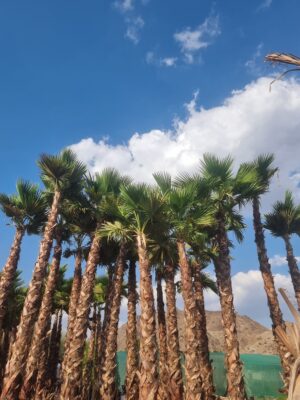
(262,373)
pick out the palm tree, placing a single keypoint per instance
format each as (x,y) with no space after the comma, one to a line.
(100,190)
(185,215)
(63,176)
(15,302)
(42,325)
(26,210)
(132,362)
(265,171)
(164,393)
(164,255)
(142,213)
(284,221)
(228,192)
(109,388)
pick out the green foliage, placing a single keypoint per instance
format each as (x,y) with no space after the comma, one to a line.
(27,208)
(284,218)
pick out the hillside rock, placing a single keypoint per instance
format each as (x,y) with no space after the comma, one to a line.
(253,337)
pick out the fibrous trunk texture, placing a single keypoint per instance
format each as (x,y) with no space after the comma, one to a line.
(193,386)
(206,368)
(16,365)
(174,366)
(269,286)
(109,389)
(132,362)
(148,344)
(74,297)
(235,379)
(163,390)
(90,363)
(42,325)
(72,379)
(9,271)
(293,267)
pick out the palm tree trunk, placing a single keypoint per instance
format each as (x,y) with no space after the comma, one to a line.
(96,385)
(42,325)
(74,297)
(174,365)
(235,379)
(16,365)
(90,363)
(4,352)
(41,385)
(162,340)
(148,344)
(72,374)
(106,319)
(9,271)
(193,387)
(206,368)
(132,362)
(109,389)
(269,286)
(293,267)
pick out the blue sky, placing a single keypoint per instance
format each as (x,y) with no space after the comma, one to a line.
(74,72)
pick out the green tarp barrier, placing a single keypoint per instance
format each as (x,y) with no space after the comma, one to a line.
(262,373)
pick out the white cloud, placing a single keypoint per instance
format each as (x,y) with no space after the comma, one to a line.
(264,5)
(249,122)
(133,30)
(160,62)
(244,284)
(253,65)
(280,261)
(192,41)
(124,5)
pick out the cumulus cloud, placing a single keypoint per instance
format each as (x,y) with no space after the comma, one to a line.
(253,65)
(244,284)
(280,261)
(249,122)
(124,5)
(133,30)
(152,59)
(264,5)
(191,41)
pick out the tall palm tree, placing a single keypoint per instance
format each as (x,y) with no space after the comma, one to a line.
(284,221)
(100,190)
(132,362)
(63,176)
(164,255)
(15,302)
(142,213)
(164,393)
(26,210)
(228,192)
(265,171)
(44,319)
(186,215)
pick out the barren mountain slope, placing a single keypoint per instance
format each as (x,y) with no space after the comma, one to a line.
(253,337)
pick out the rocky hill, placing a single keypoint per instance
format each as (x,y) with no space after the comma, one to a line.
(253,337)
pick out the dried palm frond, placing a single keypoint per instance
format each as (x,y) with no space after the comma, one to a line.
(283,58)
(291,339)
